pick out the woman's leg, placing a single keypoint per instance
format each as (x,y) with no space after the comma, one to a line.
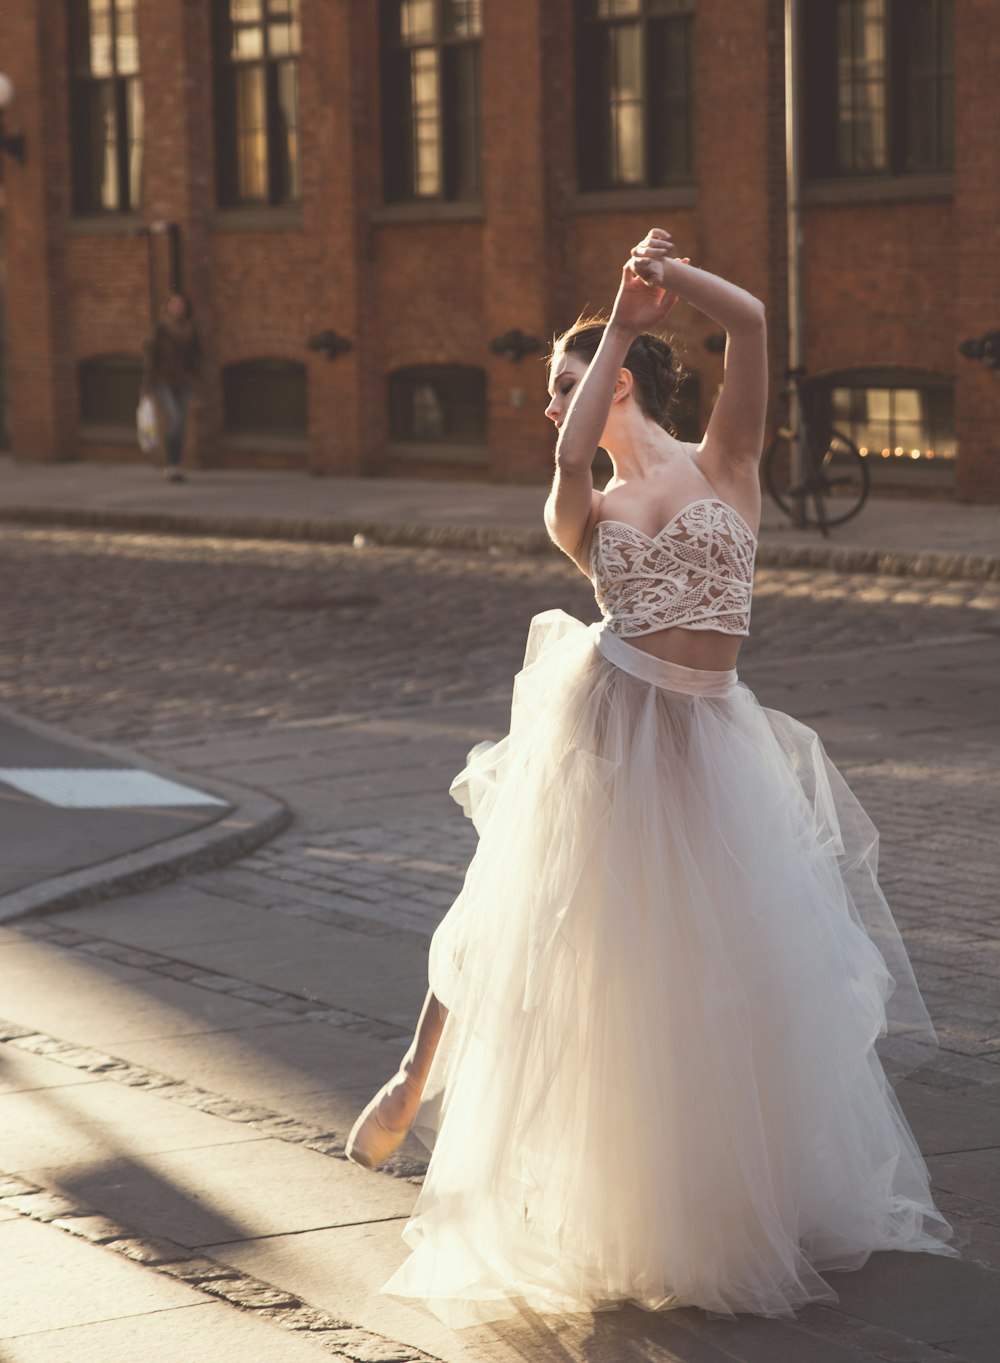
(385,1121)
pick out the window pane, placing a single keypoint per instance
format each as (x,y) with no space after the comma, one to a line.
(611,9)
(265,397)
(463,120)
(861,85)
(126,38)
(101,51)
(463,18)
(134,119)
(929,96)
(438,404)
(288,171)
(416,21)
(283,38)
(245,11)
(425,104)
(671,140)
(109,389)
(251,133)
(248,44)
(626,111)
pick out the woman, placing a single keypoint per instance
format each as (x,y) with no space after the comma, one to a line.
(647,1060)
(172,361)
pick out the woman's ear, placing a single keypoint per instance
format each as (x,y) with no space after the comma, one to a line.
(623,385)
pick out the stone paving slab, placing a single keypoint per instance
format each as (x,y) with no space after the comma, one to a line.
(207,1330)
(207,1195)
(24,1073)
(83,1285)
(90,1123)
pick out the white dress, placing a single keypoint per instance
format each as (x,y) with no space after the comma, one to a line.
(673,984)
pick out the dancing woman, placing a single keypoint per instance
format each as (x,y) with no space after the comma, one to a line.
(647,1062)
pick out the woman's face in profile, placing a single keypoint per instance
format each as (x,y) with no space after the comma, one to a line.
(176,308)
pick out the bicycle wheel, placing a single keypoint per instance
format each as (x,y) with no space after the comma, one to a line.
(844,479)
(841,480)
(777,467)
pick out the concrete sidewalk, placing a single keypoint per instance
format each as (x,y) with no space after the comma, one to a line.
(939,538)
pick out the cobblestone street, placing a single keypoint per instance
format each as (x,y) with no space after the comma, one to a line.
(135,637)
(350,682)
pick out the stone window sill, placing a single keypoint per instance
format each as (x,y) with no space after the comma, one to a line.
(437,453)
(258,218)
(859,189)
(106,225)
(627,200)
(428,210)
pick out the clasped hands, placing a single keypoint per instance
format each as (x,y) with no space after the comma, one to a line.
(644,297)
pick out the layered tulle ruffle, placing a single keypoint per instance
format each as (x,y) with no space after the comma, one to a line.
(673,986)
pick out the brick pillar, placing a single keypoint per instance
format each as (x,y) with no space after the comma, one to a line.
(175,54)
(976,246)
(516,249)
(339,86)
(738,122)
(40,388)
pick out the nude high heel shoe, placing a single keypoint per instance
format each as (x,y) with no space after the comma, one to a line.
(382,1126)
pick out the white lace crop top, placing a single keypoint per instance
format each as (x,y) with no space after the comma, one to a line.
(696,573)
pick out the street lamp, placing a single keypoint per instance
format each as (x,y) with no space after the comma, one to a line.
(13,145)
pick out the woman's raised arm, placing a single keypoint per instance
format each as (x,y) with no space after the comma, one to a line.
(735,433)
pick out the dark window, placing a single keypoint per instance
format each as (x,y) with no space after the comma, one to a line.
(109,390)
(899,420)
(258,157)
(879,86)
(430,98)
(438,405)
(634,93)
(106,106)
(265,397)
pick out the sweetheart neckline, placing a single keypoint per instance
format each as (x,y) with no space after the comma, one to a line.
(698,501)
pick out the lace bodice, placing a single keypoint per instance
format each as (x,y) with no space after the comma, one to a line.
(697,572)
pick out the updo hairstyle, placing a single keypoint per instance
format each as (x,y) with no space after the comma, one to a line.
(651,362)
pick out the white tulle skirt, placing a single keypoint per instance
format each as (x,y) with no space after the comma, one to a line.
(674,988)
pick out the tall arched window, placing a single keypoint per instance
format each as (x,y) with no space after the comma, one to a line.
(257,44)
(106,106)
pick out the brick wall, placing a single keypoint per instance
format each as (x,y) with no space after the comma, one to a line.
(886,283)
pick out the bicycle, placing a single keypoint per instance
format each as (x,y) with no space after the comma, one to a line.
(834,476)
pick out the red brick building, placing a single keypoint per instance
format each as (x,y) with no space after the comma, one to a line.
(377,205)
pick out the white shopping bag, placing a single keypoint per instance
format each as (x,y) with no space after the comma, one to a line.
(147,428)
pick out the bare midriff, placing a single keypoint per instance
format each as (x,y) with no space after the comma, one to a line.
(707,650)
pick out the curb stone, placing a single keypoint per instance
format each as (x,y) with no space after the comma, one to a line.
(419,535)
(254,818)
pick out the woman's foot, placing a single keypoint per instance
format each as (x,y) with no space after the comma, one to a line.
(382,1127)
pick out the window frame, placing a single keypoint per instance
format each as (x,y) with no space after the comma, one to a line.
(282,166)
(459,157)
(251,370)
(654,20)
(467,444)
(124,90)
(820,104)
(109,425)
(893,379)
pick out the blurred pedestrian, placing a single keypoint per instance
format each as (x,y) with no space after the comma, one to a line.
(172,362)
